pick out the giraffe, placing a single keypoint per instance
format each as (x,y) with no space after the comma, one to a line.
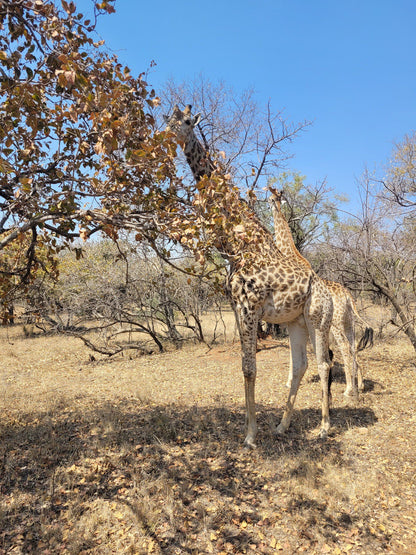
(263,282)
(345,311)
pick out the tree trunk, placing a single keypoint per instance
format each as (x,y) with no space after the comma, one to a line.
(406,323)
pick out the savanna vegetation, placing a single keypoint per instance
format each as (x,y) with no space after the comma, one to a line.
(143,454)
(121,397)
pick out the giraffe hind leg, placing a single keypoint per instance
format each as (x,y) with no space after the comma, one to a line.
(318,317)
(320,344)
(346,346)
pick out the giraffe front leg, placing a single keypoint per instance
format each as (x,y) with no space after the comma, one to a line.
(251,424)
(298,363)
(290,375)
(248,336)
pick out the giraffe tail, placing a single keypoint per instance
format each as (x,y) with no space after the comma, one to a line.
(366,340)
(331,374)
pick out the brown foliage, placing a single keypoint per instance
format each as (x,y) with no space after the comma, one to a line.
(80,151)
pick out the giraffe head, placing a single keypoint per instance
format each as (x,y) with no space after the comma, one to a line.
(276,197)
(182,123)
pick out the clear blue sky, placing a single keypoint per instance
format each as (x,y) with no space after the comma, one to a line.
(349,66)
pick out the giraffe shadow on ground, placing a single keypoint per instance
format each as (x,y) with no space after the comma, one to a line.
(46,440)
(338,376)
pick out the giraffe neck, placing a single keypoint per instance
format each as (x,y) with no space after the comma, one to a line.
(197,158)
(282,234)
(201,164)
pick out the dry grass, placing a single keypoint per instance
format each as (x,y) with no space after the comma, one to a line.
(144,455)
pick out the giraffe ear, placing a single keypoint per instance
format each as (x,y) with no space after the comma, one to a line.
(196,119)
(165,118)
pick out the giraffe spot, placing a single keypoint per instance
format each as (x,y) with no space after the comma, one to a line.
(250,283)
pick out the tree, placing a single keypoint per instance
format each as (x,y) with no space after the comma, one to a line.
(21,254)
(246,145)
(400,178)
(119,295)
(375,253)
(80,150)
(248,140)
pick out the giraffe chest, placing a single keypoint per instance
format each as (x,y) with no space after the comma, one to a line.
(279,309)
(277,297)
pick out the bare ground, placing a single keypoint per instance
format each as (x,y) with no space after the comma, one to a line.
(144,455)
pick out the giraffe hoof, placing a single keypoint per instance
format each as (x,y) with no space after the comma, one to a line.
(351,394)
(323,434)
(280,430)
(249,444)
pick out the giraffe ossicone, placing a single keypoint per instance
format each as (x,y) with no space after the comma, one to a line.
(264,284)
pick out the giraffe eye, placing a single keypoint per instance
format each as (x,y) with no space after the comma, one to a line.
(188,122)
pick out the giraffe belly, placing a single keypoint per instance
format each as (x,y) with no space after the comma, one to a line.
(280,309)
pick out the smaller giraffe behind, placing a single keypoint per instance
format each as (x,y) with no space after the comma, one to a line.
(345,311)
